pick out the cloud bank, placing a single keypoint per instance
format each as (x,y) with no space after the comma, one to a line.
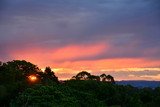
(79,32)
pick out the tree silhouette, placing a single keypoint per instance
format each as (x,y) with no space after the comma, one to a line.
(93,77)
(73,78)
(17,71)
(82,75)
(110,79)
(48,76)
(107,78)
(14,78)
(103,77)
(0,63)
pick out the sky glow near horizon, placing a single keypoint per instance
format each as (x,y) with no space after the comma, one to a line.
(117,37)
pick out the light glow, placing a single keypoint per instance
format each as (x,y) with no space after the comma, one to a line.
(32,78)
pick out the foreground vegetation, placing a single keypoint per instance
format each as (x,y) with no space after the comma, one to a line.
(23,84)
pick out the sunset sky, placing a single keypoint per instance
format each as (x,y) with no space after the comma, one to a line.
(116,37)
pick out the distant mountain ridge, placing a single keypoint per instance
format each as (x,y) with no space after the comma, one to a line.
(139,83)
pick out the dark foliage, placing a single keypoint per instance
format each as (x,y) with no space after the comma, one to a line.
(84,75)
(48,76)
(83,90)
(14,77)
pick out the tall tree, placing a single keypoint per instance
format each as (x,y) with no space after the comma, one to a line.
(93,77)
(49,76)
(107,78)
(110,79)
(82,75)
(103,77)
(14,78)
(17,71)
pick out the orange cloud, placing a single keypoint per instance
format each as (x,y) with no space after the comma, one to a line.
(66,61)
(118,63)
(43,56)
(78,51)
(108,66)
(152,77)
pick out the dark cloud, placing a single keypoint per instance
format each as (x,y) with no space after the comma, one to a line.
(131,28)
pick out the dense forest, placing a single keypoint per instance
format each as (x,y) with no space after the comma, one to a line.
(23,84)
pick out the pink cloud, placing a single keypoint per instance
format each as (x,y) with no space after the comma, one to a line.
(78,51)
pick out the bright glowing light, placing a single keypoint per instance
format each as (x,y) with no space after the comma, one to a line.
(32,78)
